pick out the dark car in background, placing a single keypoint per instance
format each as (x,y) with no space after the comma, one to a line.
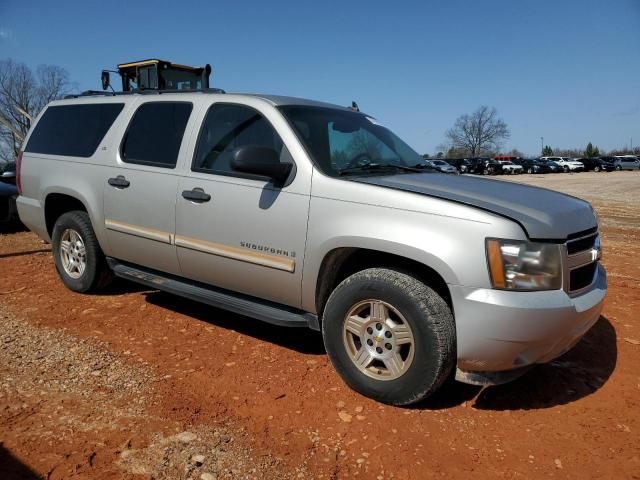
(461,164)
(596,165)
(484,166)
(8,193)
(8,173)
(554,167)
(533,165)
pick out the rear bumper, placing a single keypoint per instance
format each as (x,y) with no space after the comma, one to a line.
(499,330)
(31,214)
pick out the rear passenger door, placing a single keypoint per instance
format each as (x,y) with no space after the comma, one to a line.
(239,231)
(140,193)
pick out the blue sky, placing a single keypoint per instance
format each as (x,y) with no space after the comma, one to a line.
(568,70)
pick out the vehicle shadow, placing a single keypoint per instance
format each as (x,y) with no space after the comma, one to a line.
(301,340)
(13,226)
(577,374)
(13,469)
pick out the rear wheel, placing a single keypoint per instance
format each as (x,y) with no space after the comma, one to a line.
(618,168)
(389,336)
(596,168)
(566,169)
(77,255)
(530,170)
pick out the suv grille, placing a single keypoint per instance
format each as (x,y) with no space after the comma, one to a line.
(582,277)
(583,253)
(581,244)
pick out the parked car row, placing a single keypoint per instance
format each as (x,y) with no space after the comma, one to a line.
(509,165)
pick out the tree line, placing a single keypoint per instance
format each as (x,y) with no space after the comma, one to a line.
(483,133)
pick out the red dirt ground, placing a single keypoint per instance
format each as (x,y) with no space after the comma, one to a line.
(274,390)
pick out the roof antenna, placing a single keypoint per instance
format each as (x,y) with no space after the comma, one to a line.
(354,107)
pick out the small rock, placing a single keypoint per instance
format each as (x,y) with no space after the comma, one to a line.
(186,437)
(558,463)
(207,476)
(340,404)
(198,460)
(359,409)
(360,417)
(344,416)
(632,341)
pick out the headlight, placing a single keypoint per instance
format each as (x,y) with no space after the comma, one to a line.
(519,265)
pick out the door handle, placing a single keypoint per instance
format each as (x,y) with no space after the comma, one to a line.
(119,182)
(197,195)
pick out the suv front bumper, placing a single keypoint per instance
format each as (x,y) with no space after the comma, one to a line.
(499,330)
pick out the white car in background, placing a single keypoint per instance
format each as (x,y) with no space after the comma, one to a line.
(567,164)
(510,168)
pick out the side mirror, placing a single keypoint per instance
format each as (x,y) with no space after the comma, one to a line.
(105,80)
(262,161)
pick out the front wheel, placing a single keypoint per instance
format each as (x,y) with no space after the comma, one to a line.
(596,169)
(566,169)
(618,168)
(77,255)
(389,336)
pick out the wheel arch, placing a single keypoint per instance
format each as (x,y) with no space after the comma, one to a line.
(341,262)
(57,204)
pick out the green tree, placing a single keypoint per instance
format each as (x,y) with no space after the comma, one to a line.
(547,151)
(596,152)
(589,152)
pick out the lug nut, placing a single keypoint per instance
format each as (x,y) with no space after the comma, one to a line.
(369,330)
(379,326)
(378,349)
(387,346)
(370,342)
(387,334)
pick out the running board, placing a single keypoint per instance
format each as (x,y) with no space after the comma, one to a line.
(266,311)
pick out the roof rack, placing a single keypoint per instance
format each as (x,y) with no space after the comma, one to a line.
(100,93)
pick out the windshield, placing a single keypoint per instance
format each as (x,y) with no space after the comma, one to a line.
(439,162)
(340,139)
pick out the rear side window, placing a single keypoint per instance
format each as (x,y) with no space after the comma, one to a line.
(73,130)
(155,134)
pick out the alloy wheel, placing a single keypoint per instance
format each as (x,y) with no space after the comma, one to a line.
(378,340)
(73,253)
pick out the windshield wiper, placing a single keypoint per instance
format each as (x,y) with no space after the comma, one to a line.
(377,167)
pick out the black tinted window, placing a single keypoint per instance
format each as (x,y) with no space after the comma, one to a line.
(227,127)
(73,130)
(155,134)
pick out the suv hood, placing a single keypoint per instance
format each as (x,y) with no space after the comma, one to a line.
(542,213)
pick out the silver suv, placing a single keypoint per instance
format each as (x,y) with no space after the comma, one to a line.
(307,214)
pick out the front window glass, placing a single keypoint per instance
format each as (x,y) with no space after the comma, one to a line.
(227,127)
(340,139)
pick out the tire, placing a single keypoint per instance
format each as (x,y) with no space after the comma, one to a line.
(566,169)
(96,274)
(596,168)
(530,170)
(619,168)
(424,363)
